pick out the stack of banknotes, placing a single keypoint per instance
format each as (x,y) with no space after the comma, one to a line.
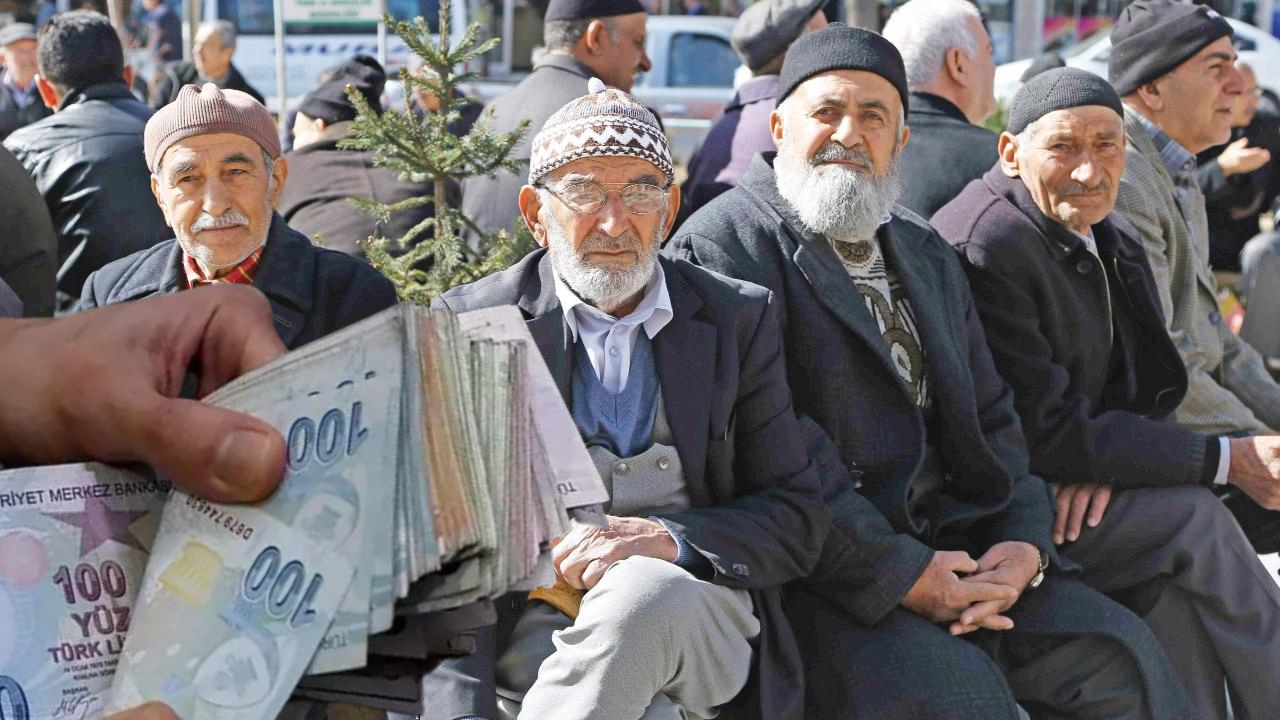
(430,461)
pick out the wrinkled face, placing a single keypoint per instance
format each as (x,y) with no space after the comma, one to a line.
(608,255)
(622,60)
(1198,97)
(20,58)
(984,72)
(1071,163)
(218,196)
(211,58)
(1246,103)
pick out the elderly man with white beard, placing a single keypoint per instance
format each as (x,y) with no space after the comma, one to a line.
(674,377)
(939,593)
(217,175)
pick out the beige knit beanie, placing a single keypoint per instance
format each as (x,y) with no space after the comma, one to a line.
(205,111)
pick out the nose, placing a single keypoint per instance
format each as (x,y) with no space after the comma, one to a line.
(1087,173)
(611,218)
(645,64)
(1235,81)
(847,133)
(216,198)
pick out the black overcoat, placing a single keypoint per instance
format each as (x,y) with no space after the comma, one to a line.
(945,151)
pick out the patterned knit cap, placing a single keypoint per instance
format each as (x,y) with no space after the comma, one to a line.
(603,123)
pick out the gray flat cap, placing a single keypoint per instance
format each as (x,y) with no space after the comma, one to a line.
(768,27)
(14,32)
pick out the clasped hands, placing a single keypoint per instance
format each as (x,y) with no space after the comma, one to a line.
(970,594)
(583,555)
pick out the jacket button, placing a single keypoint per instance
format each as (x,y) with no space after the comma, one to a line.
(1215,317)
(740,569)
(621,468)
(663,463)
(1083,267)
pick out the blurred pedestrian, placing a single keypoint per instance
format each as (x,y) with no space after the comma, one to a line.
(425,101)
(164,31)
(215,45)
(86,158)
(760,38)
(951,73)
(583,38)
(20,103)
(217,174)
(317,201)
(29,251)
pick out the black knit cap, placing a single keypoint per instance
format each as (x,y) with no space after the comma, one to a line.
(840,47)
(587,9)
(329,101)
(1059,89)
(1152,37)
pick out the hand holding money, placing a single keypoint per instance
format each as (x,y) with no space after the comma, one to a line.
(70,381)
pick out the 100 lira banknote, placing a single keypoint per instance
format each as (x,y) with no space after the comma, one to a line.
(74,543)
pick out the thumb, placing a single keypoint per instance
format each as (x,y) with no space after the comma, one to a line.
(1240,144)
(218,454)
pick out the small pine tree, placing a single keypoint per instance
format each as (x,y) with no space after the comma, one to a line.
(421,149)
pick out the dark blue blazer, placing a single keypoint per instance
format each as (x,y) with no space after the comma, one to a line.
(312,291)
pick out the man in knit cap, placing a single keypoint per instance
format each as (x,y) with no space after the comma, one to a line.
(217,174)
(674,379)
(1173,63)
(583,39)
(944,531)
(760,37)
(1069,307)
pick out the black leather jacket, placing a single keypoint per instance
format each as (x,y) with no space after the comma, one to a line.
(87,162)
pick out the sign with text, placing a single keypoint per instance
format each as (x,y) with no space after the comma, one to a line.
(332,11)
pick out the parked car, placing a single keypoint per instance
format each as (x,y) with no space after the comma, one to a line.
(1256,47)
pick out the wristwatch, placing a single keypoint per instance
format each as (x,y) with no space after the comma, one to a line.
(1039,576)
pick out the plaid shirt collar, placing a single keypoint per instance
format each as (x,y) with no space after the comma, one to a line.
(241,274)
(1180,163)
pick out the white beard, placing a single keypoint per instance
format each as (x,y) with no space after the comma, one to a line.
(834,201)
(204,254)
(602,287)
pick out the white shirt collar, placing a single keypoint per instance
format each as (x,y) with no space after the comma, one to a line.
(653,312)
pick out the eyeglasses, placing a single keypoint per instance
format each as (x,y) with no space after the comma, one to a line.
(586,197)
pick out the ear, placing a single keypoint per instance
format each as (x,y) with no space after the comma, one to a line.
(48,93)
(775,128)
(594,37)
(128,75)
(529,208)
(1149,95)
(280,172)
(957,66)
(906,133)
(673,209)
(1007,149)
(155,192)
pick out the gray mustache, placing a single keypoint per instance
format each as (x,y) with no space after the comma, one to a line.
(834,151)
(1074,187)
(229,218)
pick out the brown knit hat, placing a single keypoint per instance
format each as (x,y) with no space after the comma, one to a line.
(205,111)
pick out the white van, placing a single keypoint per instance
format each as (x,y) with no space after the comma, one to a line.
(310,48)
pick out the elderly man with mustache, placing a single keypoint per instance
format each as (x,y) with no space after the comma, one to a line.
(217,174)
(931,599)
(1070,310)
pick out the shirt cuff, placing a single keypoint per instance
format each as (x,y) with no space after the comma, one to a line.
(687,557)
(1224,461)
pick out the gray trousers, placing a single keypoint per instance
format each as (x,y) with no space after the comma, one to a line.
(650,641)
(1179,558)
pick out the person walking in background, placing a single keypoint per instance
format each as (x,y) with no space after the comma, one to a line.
(164,31)
(20,103)
(215,45)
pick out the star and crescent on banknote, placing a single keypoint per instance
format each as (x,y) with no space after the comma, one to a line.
(430,461)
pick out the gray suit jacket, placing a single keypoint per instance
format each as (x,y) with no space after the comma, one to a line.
(1229,389)
(757,513)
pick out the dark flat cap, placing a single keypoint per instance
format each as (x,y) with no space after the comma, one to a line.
(1152,37)
(1044,63)
(1059,89)
(14,32)
(840,47)
(764,30)
(587,9)
(329,101)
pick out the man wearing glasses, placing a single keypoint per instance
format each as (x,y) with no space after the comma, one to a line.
(674,377)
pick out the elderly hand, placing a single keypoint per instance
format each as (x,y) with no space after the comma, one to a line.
(150,711)
(583,556)
(1255,468)
(1011,564)
(1238,158)
(103,385)
(942,596)
(1076,505)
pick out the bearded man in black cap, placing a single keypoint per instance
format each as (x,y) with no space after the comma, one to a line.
(316,201)
(1069,306)
(947,533)
(583,39)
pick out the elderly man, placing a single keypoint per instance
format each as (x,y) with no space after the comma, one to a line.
(676,383)
(215,45)
(1173,64)
(948,532)
(1069,307)
(951,72)
(583,39)
(86,158)
(20,103)
(317,201)
(217,174)
(760,37)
